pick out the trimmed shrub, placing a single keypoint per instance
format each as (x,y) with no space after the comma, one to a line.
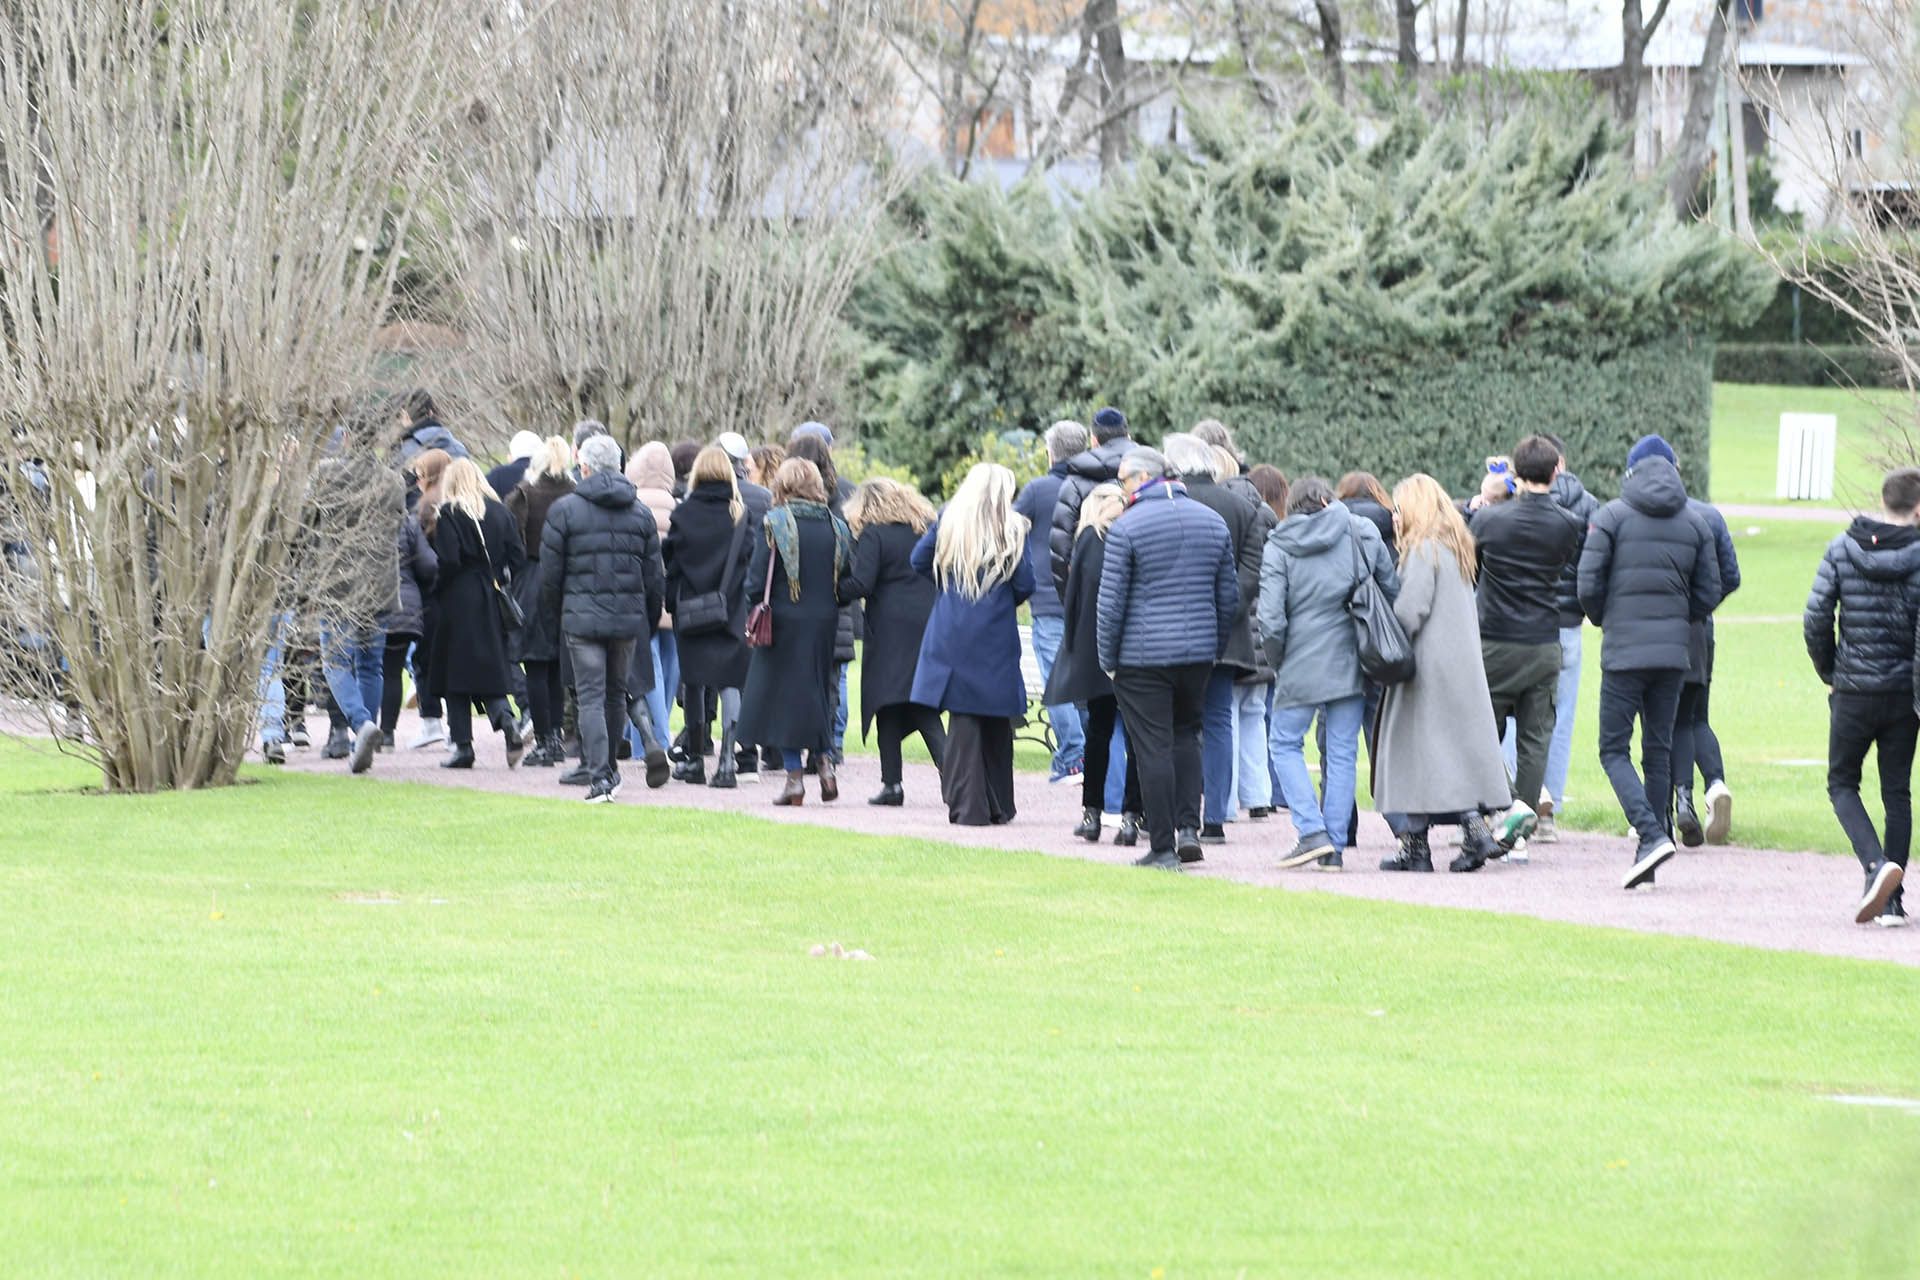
(1803,364)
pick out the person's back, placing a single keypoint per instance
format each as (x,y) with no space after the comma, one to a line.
(1168,593)
(1525,544)
(607,550)
(1036,501)
(1307,577)
(1085,471)
(1647,571)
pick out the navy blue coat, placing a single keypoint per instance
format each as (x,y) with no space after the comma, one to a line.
(1037,502)
(970,654)
(1168,593)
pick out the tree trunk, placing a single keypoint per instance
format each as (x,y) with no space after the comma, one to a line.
(1633,59)
(1104,17)
(1406,14)
(1460,38)
(1332,45)
(1697,128)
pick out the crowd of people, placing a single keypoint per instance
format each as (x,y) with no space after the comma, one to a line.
(1197,623)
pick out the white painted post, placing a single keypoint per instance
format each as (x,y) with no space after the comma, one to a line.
(1805,472)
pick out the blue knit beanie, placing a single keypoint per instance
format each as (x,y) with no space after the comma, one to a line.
(1109,423)
(1650,447)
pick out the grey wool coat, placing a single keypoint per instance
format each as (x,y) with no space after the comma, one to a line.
(1436,750)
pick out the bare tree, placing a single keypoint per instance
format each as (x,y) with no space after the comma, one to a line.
(1635,35)
(1333,46)
(1406,18)
(205,203)
(1103,19)
(1696,127)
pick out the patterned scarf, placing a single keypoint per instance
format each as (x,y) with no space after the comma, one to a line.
(783,534)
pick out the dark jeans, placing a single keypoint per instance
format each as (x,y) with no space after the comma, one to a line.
(1651,697)
(1524,680)
(600,681)
(1694,742)
(460,717)
(1101,714)
(894,723)
(393,663)
(1164,708)
(545,694)
(1885,722)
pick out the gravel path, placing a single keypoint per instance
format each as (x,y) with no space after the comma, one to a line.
(1780,901)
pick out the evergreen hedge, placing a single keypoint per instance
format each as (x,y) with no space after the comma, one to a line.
(1804,364)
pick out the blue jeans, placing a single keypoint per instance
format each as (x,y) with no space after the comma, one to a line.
(1339,766)
(795,761)
(1116,798)
(1070,743)
(840,709)
(666,679)
(1567,699)
(1252,779)
(273,691)
(1217,748)
(352,664)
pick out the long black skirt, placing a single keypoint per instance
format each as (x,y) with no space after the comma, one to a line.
(976,778)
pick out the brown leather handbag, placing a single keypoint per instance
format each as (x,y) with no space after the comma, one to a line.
(759,633)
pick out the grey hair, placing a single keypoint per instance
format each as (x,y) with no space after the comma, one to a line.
(1190,455)
(600,453)
(1065,439)
(586,429)
(1215,433)
(1141,460)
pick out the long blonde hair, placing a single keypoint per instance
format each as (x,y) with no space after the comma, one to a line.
(553,461)
(712,466)
(464,488)
(981,538)
(884,501)
(1424,513)
(1103,505)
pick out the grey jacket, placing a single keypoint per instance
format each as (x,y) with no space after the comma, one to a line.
(1306,578)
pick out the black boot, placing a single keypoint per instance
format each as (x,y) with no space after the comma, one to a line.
(1686,819)
(726,764)
(461,757)
(1129,833)
(891,796)
(1089,828)
(1477,845)
(691,770)
(1414,854)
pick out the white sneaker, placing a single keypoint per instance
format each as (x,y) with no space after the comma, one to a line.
(1515,825)
(1719,802)
(366,740)
(1517,856)
(432,734)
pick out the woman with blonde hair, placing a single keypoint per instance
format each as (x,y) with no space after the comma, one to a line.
(425,471)
(1439,754)
(976,554)
(886,519)
(797,565)
(480,554)
(651,471)
(1077,676)
(707,548)
(536,646)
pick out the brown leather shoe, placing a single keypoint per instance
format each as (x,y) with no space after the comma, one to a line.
(795,792)
(829,780)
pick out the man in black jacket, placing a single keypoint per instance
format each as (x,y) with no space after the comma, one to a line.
(1647,573)
(1085,471)
(601,575)
(1870,576)
(1524,545)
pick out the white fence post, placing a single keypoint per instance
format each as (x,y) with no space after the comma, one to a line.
(1806,456)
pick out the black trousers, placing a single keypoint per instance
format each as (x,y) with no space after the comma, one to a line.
(600,679)
(1652,697)
(1102,713)
(392,663)
(1694,741)
(1886,723)
(976,780)
(1163,709)
(1524,681)
(460,717)
(545,695)
(894,723)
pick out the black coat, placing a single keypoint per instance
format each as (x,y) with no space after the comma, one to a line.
(528,503)
(1870,578)
(418,569)
(1648,571)
(468,650)
(898,601)
(1578,503)
(790,692)
(1381,518)
(848,630)
(506,477)
(696,552)
(1524,544)
(1249,546)
(1077,676)
(1700,641)
(1085,472)
(600,566)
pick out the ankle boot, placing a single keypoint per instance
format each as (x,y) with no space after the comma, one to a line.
(1686,819)
(1129,833)
(461,757)
(1414,854)
(1477,845)
(725,764)
(1089,828)
(829,780)
(795,792)
(891,796)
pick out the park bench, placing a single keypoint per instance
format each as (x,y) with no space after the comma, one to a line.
(1035,726)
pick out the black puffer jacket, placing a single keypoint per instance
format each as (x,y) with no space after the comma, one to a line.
(1870,576)
(1249,545)
(600,567)
(1085,472)
(1648,571)
(1578,503)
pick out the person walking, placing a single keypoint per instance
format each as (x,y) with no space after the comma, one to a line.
(479,552)
(887,519)
(650,470)
(1168,598)
(1098,465)
(522,451)
(427,470)
(421,429)
(1035,504)
(1694,741)
(1523,545)
(1271,483)
(1308,572)
(536,646)
(1860,623)
(813,441)
(1647,572)
(1573,498)
(1198,465)
(602,586)
(1439,749)
(406,625)
(708,547)
(1079,678)
(788,701)
(976,554)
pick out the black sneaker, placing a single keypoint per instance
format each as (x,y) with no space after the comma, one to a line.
(1310,847)
(1166,860)
(339,745)
(1686,820)
(578,776)
(1895,916)
(1089,828)
(1647,860)
(658,769)
(1260,813)
(600,793)
(1331,862)
(1213,833)
(273,752)
(1186,844)
(1129,833)
(1882,883)
(297,735)
(693,772)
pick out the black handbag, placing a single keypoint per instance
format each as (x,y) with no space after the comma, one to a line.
(710,611)
(512,616)
(1386,654)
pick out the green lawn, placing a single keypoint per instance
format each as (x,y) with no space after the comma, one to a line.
(322,1026)
(1746,439)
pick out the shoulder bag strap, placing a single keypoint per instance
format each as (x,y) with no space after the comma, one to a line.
(486,555)
(733,552)
(766,594)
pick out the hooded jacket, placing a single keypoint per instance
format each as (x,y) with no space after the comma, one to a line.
(1578,503)
(1870,578)
(1168,594)
(1306,578)
(429,435)
(1648,572)
(600,567)
(1085,472)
